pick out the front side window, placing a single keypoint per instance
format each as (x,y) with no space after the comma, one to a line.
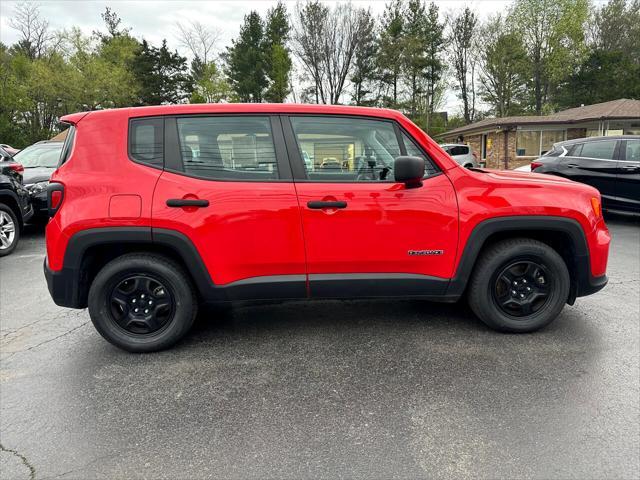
(414,151)
(602,150)
(146,141)
(346,149)
(228,147)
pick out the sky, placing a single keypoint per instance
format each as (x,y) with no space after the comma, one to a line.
(156,19)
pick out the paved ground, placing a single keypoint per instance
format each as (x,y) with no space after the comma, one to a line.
(357,389)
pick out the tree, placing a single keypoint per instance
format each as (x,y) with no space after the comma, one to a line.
(35,36)
(198,39)
(364,65)
(162,75)
(553,35)
(462,38)
(277,58)
(112,21)
(617,28)
(390,54)
(434,41)
(325,41)
(414,51)
(503,65)
(245,60)
(211,86)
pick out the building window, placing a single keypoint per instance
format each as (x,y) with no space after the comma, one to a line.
(549,138)
(527,144)
(532,143)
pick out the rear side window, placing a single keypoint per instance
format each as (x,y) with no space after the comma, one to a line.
(67,146)
(146,141)
(228,147)
(603,149)
(632,150)
(458,150)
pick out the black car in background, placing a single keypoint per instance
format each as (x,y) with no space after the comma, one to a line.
(610,164)
(39,161)
(15,205)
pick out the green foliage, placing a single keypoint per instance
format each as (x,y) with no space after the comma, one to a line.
(503,68)
(161,74)
(210,85)
(245,61)
(277,60)
(391,51)
(364,67)
(554,38)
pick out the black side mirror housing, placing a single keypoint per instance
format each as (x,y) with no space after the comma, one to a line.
(409,170)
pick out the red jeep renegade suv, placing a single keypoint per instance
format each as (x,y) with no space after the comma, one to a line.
(157,209)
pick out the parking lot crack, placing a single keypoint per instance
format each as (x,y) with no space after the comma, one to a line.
(50,340)
(32,470)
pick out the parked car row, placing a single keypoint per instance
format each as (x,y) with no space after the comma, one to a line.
(24,177)
(610,164)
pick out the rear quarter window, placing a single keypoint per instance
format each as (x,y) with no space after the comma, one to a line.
(146,141)
(67,146)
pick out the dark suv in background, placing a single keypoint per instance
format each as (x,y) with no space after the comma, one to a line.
(15,207)
(610,164)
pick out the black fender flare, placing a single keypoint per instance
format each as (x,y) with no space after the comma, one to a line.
(513,224)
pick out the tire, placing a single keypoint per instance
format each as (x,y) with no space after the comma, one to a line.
(9,230)
(468,165)
(129,280)
(498,292)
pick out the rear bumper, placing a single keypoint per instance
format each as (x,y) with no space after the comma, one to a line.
(63,287)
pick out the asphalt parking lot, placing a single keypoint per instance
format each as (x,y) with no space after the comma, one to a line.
(367,389)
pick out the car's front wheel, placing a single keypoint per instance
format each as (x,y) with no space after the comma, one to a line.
(142,302)
(519,285)
(9,230)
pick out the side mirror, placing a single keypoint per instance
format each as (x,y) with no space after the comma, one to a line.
(409,170)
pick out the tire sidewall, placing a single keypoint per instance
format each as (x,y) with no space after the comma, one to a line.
(16,238)
(172,278)
(490,313)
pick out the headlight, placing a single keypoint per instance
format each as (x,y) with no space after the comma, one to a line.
(36,188)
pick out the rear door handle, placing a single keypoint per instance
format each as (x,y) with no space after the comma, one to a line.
(187,202)
(572,165)
(317,204)
(631,168)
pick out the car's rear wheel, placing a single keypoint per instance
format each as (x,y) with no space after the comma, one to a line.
(519,285)
(9,230)
(142,302)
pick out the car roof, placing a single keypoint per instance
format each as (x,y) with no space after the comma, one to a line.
(255,108)
(596,139)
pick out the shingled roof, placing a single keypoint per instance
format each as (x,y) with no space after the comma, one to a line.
(613,110)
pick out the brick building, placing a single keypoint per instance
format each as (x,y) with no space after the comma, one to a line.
(510,142)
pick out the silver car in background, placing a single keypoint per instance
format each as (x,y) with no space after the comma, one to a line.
(461,153)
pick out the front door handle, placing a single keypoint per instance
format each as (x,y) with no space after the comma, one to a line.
(572,165)
(317,204)
(187,202)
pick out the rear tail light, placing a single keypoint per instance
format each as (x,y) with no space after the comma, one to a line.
(55,195)
(17,167)
(535,165)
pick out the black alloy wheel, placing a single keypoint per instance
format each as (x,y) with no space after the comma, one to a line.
(141,304)
(522,288)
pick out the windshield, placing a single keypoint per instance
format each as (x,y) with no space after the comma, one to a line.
(43,155)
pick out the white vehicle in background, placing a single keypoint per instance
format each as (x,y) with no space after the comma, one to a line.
(461,153)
